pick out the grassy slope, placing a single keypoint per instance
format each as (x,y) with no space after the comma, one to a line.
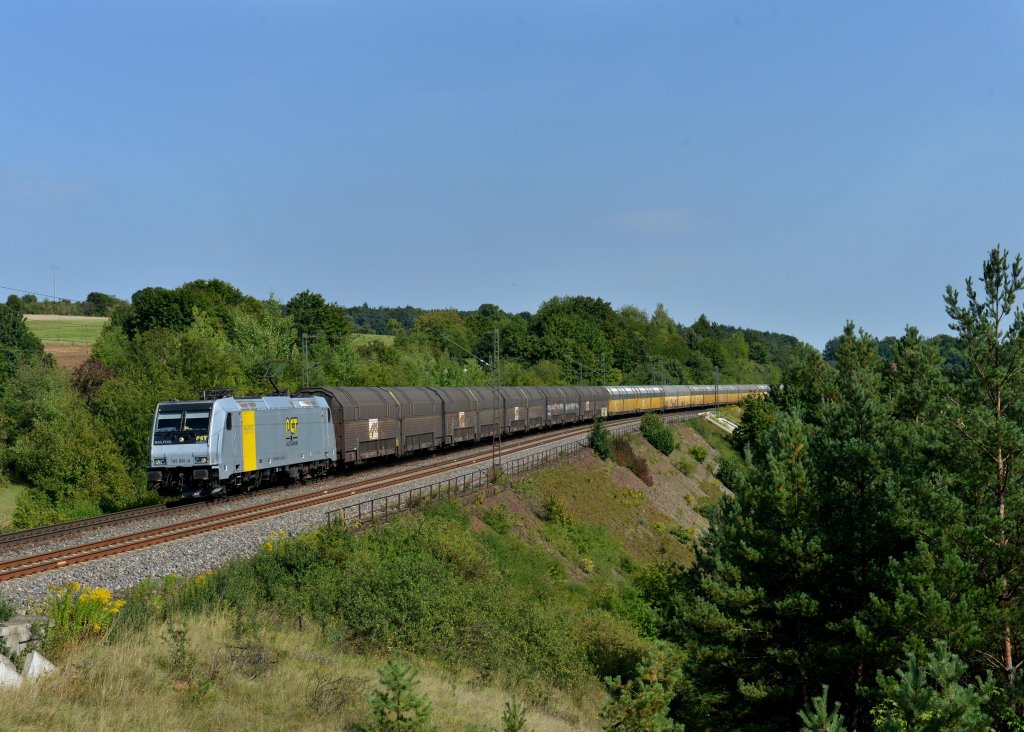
(8,497)
(56,328)
(610,520)
(130,684)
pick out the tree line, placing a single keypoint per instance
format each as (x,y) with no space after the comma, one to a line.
(79,441)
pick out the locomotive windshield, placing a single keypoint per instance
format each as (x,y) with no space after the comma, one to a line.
(178,423)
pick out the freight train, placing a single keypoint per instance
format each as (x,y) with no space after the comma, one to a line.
(216,446)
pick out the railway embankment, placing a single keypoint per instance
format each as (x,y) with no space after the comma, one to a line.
(530,595)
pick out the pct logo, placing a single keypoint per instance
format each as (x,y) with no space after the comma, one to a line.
(291,430)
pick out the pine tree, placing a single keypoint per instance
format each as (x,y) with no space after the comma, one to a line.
(930,697)
(987,419)
(818,718)
(748,612)
(642,704)
(397,706)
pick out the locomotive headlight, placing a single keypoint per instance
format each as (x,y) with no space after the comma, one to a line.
(202,460)
(160,461)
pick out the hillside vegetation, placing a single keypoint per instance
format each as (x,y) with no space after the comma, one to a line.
(79,441)
(535,594)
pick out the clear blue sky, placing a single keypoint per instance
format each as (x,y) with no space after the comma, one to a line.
(782,166)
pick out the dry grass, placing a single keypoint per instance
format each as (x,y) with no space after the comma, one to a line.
(129,684)
(597,492)
(68,355)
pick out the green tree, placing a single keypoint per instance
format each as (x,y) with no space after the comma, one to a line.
(53,445)
(817,717)
(642,704)
(214,298)
(397,706)
(312,315)
(17,343)
(987,422)
(100,303)
(930,697)
(601,439)
(260,336)
(157,307)
(749,612)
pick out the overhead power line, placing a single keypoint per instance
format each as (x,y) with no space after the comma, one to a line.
(46,295)
(29,292)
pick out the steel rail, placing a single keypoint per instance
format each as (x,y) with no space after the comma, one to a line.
(58,558)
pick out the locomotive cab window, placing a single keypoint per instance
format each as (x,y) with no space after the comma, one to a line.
(197,421)
(182,425)
(169,421)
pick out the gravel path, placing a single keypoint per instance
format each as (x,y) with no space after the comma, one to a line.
(194,555)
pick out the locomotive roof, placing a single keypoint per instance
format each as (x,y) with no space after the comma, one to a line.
(251,403)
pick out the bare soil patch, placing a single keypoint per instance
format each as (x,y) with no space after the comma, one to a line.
(68,355)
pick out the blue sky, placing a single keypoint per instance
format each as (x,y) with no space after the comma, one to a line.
(781,166)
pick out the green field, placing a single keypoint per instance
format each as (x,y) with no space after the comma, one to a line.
(361,339)
(8,497)
(70,330)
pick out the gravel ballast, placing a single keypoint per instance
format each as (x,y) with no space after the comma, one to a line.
(197,554)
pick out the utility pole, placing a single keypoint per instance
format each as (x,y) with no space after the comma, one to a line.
(306,338)
(716,390)
(498,418)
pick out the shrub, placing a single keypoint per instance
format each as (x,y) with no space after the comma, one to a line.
(731,472)
(556,512)
(7,608)
(600,439)
(685,466)
(513,719)
(654,430)
(498,518)
(77,612)
(698,453)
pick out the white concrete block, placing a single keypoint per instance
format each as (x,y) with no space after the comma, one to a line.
(9,675)
(36,666)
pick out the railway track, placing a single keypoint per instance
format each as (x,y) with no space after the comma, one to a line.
(89,551)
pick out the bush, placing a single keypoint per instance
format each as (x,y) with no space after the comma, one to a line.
(498,518)
(77,612)
(698,453)
(731,472)
(600,439)
(556,512)
(654,430)
(7,609)
(685,466)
